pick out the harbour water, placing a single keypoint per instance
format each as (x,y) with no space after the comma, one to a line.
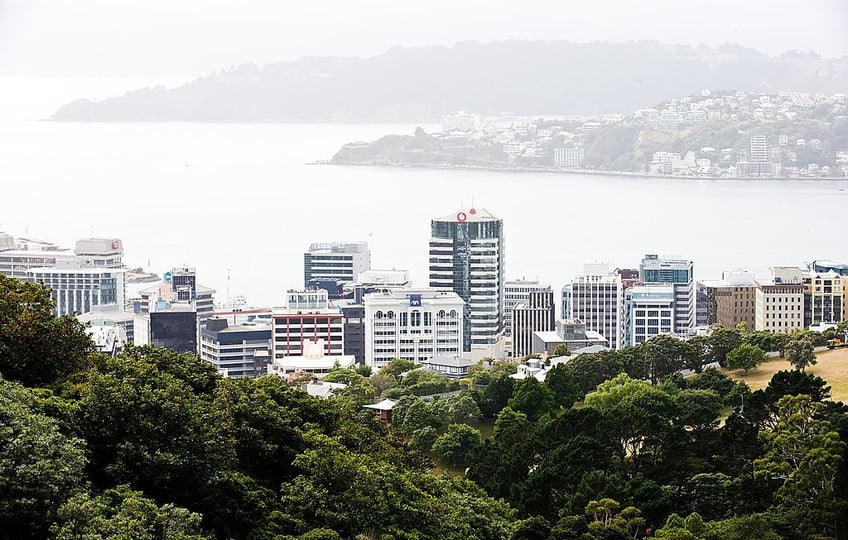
(242,200)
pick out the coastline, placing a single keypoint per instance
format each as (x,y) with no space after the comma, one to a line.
(560,171)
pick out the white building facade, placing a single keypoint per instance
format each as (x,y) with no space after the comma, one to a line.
(648,312)
(518,291)
(680,274)
(336,260)
(77,288)
(308,317)
(414,324)
(596,297)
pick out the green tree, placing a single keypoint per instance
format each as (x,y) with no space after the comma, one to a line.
(124,513)
(799,353)
(561,350)
(722,341)
(745,357)
(532,398)
(40,468)
(422,439)
(37,348)
(607,521)
(563,386)
(149,422)
(668,355)
(496,395)
(592,369)
(458,445)
(804,454)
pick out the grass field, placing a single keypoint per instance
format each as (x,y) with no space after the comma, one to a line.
(832,367)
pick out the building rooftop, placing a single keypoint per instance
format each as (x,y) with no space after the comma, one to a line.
(469,215)
(385,405)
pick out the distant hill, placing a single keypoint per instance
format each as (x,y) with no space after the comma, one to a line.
(420,84)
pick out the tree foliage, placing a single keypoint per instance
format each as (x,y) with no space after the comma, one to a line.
(37,348)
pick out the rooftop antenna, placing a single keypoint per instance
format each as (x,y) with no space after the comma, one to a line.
(228,285)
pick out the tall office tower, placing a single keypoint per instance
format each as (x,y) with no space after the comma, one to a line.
(516,292)
(466,257)
(536,314)
(180,285)
(596,297)
(336,260)
(680,274)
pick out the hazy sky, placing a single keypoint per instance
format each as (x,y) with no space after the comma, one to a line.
(161,38)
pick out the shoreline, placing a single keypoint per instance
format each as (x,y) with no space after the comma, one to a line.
(563,171)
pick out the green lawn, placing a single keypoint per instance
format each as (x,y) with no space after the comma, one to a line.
(832,366)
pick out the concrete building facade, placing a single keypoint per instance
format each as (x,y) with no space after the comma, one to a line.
(518,291)
(415,324)
(536,314)
(307,317)
(596,297)
(335,260)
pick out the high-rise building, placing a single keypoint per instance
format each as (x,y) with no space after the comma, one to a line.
(336,260)
(536,314)
(308,317)
(516,292)
(596,297)
(415,324)
(680,274)
(466,257)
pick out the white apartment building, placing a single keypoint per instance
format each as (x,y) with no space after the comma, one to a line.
(518,291)
(461,121)
(596,297)
(569,157)
(648,312)
(415,324)
(78,288)
(336,260)
(308,316)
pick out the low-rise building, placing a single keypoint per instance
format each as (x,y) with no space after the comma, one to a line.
(240,350)
(569,332)
(314,362)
